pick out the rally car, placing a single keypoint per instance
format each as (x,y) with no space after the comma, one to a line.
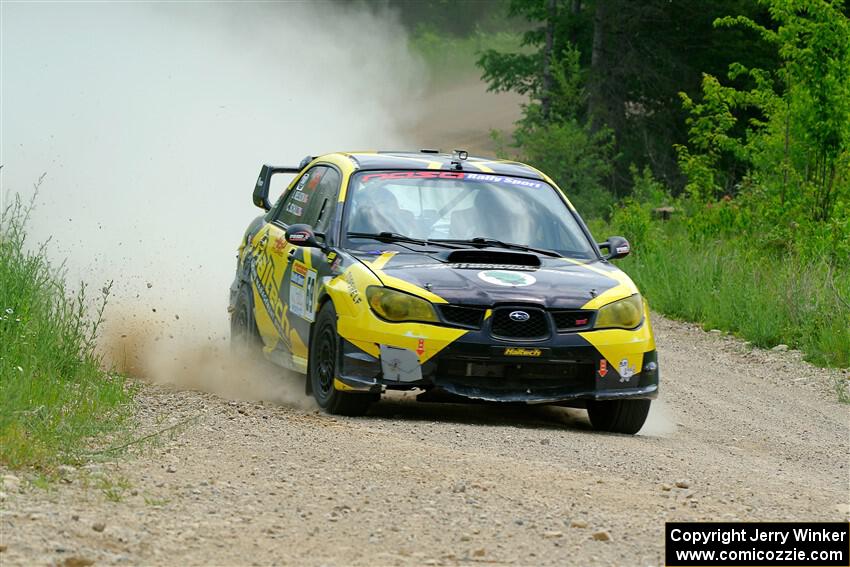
(470,279)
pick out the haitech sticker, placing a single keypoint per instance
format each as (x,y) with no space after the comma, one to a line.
(518,351)
(507,278)
(420,348)
(625,370)
(603,368)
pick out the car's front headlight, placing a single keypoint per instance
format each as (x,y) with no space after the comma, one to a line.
(398,306)
(623,314)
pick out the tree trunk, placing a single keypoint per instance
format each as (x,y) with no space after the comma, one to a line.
(598,58)
(575,12)
(548,55)
(786,165)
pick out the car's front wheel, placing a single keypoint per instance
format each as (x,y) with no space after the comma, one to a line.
(618,416)
(323,369)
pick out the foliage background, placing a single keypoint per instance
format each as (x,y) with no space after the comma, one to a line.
(733,114)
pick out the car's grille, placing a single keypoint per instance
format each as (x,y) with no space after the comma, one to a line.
(526,370)
(572,320)
(462,316)
(535,326)
(517,377)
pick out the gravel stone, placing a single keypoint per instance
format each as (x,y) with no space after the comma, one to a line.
(11,483)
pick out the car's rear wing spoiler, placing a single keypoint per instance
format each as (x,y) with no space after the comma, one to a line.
(261,189)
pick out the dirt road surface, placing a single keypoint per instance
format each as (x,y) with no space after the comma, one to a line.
(461,115)
(737,435)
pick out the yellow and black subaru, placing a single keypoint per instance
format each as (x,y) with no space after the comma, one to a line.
(467,278)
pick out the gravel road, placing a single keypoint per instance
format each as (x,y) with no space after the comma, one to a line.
(738,434)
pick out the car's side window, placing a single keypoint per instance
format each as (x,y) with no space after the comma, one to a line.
(323,201)
(298,203)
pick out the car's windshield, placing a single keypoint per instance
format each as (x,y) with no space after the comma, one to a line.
(442,205)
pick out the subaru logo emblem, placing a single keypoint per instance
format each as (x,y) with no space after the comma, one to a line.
(519,316)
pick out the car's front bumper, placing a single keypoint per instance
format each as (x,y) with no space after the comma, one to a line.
(565,368)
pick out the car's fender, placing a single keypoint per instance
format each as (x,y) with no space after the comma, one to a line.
(243,274)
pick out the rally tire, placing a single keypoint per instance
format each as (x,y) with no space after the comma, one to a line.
(244,336)
(618,416)
(323,368)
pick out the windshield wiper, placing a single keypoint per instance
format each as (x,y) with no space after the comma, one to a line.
(396,237)
(481,241)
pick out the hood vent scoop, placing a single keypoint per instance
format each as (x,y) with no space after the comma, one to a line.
(492,257)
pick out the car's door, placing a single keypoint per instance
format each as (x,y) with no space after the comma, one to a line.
(312,200)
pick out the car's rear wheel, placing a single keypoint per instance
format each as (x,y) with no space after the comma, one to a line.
(323,369)
(618,416)
(244,336)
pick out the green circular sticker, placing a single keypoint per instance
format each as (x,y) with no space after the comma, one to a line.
(507,278)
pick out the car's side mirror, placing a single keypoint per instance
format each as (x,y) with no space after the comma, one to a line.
(303,235)
(617,246)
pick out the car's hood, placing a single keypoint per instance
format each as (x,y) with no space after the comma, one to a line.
(556,283)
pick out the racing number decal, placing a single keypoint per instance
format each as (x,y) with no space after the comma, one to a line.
(302,294)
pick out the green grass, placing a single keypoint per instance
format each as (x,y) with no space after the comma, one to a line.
(735,286)
(55,398)
(114,490)
(156,502)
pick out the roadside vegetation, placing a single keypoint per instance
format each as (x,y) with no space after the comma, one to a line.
(55,397)
(450,35)
(698,266)
(716,139)
(452,58)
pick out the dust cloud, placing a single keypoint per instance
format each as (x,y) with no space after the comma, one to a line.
(152,120)
(660,421)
